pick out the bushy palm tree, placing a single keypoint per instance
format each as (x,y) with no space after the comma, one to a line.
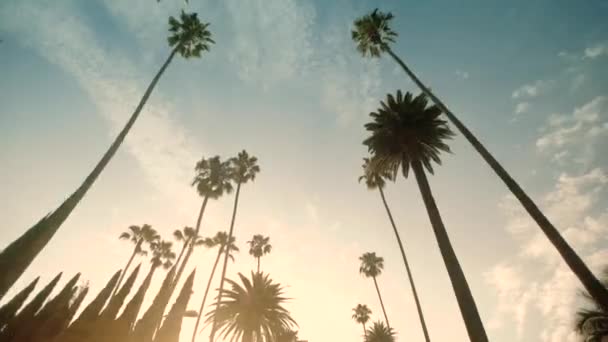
(361,314)
(259,246)
(371,267)
(219,240)
(373,35)
(376,179)
(252,311)
(592,322)
(405,134)
(189,38)
(380,333)
(138,236)
(244,169)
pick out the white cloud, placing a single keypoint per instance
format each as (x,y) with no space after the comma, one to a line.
(596,51)
(462,74)
(522,107)
(577,135)
(578,81)
(532,90)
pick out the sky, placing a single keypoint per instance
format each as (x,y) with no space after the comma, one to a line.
(284,82)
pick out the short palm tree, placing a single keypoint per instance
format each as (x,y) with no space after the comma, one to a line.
(376,179)
(371,267)
(373,36)
(188,37)
(259,246)
(189,240)
(361,314)
(405,134)
(138,236)
(592,322)
(380,333)
(252,311)
(244,169)
(162,254)
(219,240)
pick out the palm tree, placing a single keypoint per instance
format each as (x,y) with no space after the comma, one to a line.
(406,133)
(373,36)
(162,254)
(189,38)
(371,267)
(376,179)
(380,333)
(592,322)
(190,240)
(252,312)
(361,314)
(220,239)
(138,236)
(259,246)
(244,169)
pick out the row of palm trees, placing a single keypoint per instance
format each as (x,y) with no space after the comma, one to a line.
(407,133)
(378,332)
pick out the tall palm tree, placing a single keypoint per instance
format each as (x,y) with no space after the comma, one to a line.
(188,37)
(371,267)
(373,37)
(162,254)
(259,246)
(190,240)
(379,333)
(138,236)
(244,169)
(219,240)
(406,133)
(361,314)
(376,179)
(253,311)
(592,322)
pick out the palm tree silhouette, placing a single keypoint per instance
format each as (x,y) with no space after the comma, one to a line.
(371,267)
(220,239)
(373,36)
(138,236)
(244,169)
(258,247)
(380,333)
(406,133)
(376,179)
(592,322)
(189,38)
(190,240)
(253,311)
(162,254)
(361,314)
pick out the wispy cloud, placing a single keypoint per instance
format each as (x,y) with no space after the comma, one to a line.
(462,74)
(522,107)
(597,50)
(532,90)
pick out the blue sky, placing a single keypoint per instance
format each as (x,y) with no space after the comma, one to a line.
(530,78)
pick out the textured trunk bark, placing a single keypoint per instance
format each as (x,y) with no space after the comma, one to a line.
(591,283)
(226,254)
(381,302)
(200,311)
(466,303)
(124,271)
(17,256)
(407,268)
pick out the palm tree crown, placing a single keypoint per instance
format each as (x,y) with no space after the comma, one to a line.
(592,322)
(187,235)
(244,167)
(379,332)
(189,37)
(405,131)
(374,178)
(371,264)
(213,177)
(221,239)
(253,311)
(162,254)
(361,313)
(259,245)
(139,235)
(372,33)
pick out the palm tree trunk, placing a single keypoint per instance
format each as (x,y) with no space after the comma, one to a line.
(407,268)
(181,253)
(258,264)
(182,267)
(124,271)
(468,309)
(200,311)
(577,266)
(381,302)
(17,256)
(226,254)
(364,332)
